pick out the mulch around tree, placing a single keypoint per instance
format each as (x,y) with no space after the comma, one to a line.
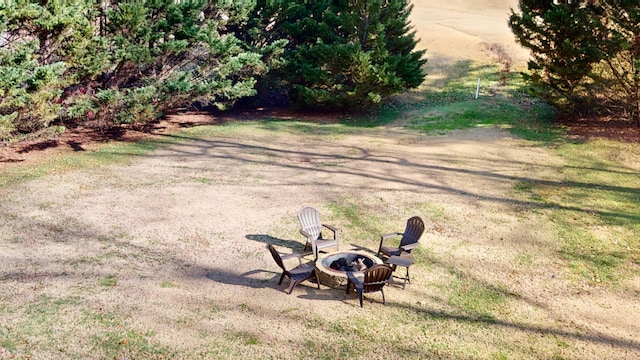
(599,128)
(83,138)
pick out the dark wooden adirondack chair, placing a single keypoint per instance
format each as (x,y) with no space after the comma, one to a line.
(409,240)
(311,227)
(296,275)
(375,278)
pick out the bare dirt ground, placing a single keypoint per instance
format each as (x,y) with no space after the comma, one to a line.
(183,231)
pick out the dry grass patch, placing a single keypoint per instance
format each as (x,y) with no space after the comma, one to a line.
(146,259)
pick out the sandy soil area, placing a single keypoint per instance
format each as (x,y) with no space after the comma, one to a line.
(457,29)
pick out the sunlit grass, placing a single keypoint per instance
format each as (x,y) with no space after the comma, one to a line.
(114,152)
(459,103)
(471,297)
(598,213)
(595,208)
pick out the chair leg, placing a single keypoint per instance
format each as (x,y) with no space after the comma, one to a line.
(292,284)
(406,279)
(383,299)
(360,295)
(315,275)
(281,278)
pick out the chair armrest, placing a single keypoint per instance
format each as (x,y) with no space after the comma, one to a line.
(385,237)
(390,235)
(357,283)
(301,270)
(354,279)
(305,234)
(292,255)
(409,247)
(333,229)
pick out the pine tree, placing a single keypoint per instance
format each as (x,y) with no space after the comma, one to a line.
(563,46)
(585,54)
(104,63)
(401,42)
(347,54)
(176,53)
(38,46)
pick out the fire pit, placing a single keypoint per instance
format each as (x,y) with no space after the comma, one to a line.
(343,262)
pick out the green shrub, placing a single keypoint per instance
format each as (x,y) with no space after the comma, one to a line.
(339,54)
(127,62)
(28,91)
(585,55)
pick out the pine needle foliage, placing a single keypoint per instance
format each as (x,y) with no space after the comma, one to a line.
(102,64)
(585,54)
(344,54)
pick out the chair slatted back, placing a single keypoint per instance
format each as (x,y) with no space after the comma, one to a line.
(413,231)
(277,257)
(310,221)
(376,277)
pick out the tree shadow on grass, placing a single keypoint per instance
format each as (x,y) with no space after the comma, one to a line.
(272,240)
(492,322)
(83,236)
